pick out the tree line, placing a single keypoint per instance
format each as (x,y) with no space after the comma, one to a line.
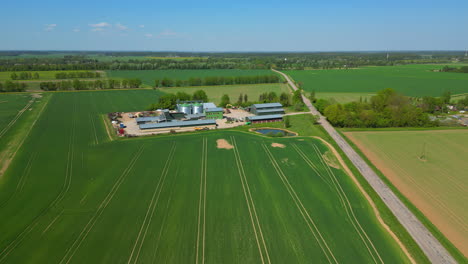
(90,85)
(10,86)
(73,75)
(463,69)
(386,109)
(217,80)
(118,60)
(24,76)
(169,101)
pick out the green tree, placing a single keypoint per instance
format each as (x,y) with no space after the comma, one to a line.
(200,95)
(225,100)
(287,121)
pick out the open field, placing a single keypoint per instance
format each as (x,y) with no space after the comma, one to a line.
(214,93)
(148,77)
(411,80)
(178,199)
(429,168)
(10,105)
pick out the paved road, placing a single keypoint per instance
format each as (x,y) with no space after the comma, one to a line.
(428,243)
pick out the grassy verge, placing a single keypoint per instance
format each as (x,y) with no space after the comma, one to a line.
(427,223)
(400,129)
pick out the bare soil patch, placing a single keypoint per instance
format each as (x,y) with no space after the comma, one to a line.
(36,95)
(330,160)
(277,145)
(223,144)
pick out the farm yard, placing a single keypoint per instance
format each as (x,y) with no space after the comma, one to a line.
(411,80)
(430,169)
(207,197)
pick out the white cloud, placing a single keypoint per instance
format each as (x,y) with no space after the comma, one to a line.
(167,34)
(121,27)
(141,26)
(50,27)
(76,30)
(100,25)
(149,35)
(97,29)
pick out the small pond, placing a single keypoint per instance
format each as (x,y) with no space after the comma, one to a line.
(272,132)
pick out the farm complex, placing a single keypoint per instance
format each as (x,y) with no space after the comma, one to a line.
(207,157)
(241,198)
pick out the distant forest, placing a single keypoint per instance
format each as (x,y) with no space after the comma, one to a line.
(50,60)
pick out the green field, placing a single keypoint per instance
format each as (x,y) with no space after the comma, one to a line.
(74,196)
(215,93)
(411,80)
(148,77)
(10,105)
(430,169)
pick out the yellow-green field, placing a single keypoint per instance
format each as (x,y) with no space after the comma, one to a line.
(43,75)
(214,93)
(430,168)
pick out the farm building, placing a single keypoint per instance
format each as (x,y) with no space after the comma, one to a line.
(209,123)
(214,113)
(265,118)
(267,109)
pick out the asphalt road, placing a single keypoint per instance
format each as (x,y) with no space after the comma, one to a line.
(428,243)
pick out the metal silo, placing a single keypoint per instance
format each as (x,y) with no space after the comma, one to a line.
(186,108)
(197,108)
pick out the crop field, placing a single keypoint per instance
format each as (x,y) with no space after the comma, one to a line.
(10,106)
(215,93)
(72,195)
(148,77)
(410,80)
(344,97)
(430,169)
(43,75)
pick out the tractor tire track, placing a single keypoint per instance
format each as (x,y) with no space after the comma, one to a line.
(202,203)
(250,205)
(297,201)
(151,208)
(70,252)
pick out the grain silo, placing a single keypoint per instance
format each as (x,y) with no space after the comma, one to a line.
(197,108)
(185,108)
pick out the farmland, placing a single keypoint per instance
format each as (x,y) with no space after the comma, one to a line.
(43,75)
(429,168)
(214,93)
(178,199)
(148,76)
(410,80)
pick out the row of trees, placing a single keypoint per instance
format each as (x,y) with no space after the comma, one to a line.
(217,80)
(24,76)
(142,60)
(90,85)
(73,75)
(10,86)
(169,101)
(463,69)
(386,109)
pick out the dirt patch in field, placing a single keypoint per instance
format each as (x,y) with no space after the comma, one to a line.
(223,144)
(277,145)
(371,202)
(36,95)
(330,160)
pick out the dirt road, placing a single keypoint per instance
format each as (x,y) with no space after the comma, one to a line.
(428,243)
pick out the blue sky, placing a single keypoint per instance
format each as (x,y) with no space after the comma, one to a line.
(179,25)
